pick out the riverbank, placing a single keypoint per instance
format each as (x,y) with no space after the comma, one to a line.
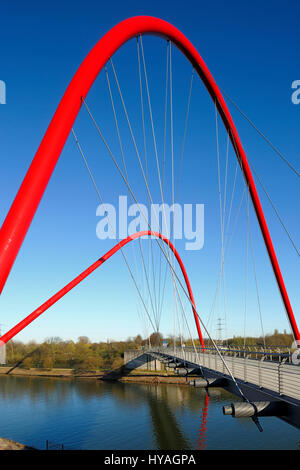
(134,377)
(8,444)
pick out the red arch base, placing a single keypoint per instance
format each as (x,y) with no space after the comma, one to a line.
(36,313)
(32,189)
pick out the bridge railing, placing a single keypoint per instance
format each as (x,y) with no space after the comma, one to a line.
(269,354)
(279,376)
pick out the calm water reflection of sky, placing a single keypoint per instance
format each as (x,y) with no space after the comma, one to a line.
(85,414)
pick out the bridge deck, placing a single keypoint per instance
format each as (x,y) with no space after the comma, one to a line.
(260,379)
(280,377)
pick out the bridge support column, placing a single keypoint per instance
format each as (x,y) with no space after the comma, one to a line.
(258,408)
(208,382)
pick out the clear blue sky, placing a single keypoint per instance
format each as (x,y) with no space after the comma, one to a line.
(252,50)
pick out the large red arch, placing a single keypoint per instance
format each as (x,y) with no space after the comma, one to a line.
(37,312)
(31,191)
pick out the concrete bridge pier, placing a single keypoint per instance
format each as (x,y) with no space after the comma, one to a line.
(139,360)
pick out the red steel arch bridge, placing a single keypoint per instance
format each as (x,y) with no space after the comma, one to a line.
(237,371)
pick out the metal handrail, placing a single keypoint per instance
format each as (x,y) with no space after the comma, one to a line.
(242,351)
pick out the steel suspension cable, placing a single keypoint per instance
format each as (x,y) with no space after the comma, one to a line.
(225,253)
(161,294)
(154,136)
(256,285)
(174,194)
(275,210)
(172,169)
(126,175)
(222,212)
(127,184)
(121,148)
(101,201)
(131,192)
(246,276)
(152,125)
(164,163)
(134,141)
(184,133)
(262,135)
(188,327)
(150,251)
(151,257)
(223,234)
(249,238)
(232,196)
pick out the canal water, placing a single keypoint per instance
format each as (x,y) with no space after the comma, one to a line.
(88,414)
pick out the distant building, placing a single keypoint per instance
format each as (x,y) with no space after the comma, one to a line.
(3,354)
(2,92)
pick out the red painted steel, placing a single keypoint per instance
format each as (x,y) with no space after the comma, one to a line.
(31,191)
(36,313)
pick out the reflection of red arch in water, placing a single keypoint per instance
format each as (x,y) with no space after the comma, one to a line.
(32,189)
(203,428)
(20,326)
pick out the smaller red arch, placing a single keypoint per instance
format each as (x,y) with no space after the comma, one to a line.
(36,313)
